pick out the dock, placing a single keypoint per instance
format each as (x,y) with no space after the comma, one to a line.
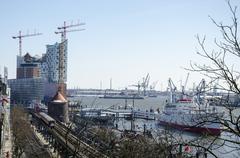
(120,113)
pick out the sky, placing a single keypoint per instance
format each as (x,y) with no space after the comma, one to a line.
(124,40)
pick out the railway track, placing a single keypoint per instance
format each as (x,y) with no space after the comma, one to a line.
(76,144)
(73,144)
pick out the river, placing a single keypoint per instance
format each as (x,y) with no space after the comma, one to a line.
(147,104)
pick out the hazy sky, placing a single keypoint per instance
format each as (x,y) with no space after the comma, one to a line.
(124,40)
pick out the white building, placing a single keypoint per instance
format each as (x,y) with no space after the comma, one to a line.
(52,61)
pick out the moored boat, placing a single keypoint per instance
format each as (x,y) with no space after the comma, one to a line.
(189,114)
(94,115)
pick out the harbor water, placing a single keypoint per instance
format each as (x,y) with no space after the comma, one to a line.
(143,104)
(146,104)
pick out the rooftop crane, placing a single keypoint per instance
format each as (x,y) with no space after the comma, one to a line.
(20,36)
(63,31)
(63,37)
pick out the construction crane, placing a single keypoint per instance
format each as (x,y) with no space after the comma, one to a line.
(63,29)
(20,36)
(63,37)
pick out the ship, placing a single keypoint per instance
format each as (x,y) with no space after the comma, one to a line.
(94,116)
(191,114)
(122,95)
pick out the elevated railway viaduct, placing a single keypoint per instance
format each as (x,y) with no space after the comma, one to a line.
(62,139)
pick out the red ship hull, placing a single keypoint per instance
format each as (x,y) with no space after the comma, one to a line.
(195,129)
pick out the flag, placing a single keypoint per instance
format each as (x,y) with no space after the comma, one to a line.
(187,149)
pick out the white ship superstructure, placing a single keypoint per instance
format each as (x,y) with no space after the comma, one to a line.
(190,115)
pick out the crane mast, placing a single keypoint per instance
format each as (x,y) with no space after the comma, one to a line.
(63,31)
(20,36)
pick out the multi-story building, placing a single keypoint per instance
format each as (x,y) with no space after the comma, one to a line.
(52,61)
(26,90)
(28,67)
(38,77)
(44,67)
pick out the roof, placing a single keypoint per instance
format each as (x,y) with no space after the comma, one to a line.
(27,57)
(59,98)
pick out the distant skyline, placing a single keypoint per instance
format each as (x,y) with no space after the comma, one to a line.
(124,40)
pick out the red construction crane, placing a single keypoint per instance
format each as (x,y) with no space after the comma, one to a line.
(20,36)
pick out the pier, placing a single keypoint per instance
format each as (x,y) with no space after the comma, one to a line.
(118,113)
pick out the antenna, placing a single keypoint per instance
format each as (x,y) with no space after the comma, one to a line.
(20,36)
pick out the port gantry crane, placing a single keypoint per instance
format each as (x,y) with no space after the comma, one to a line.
(184,93)
(20,36)
(185,84)
(173,90)
(201,91)
(145,83)
(138,85)
(153,85)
